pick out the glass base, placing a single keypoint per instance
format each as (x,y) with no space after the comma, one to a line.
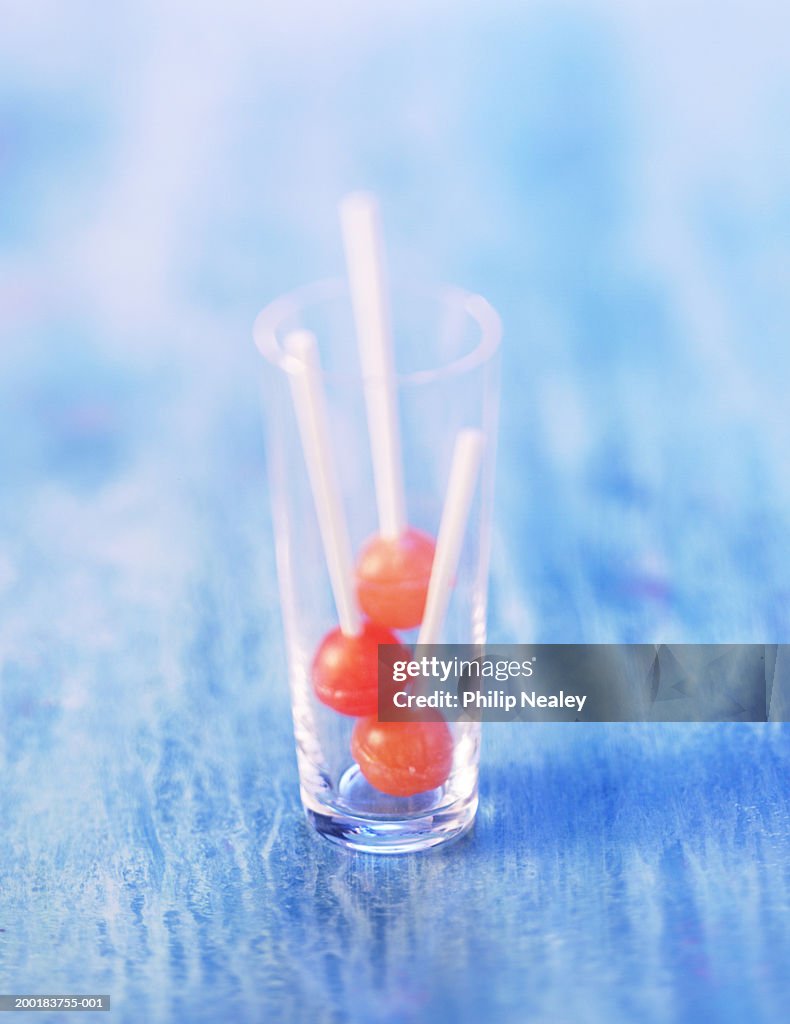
(385,824)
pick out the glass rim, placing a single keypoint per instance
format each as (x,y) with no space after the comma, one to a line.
(473,305)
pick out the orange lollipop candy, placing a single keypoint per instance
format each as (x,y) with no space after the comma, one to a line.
(403,758)
(407,757)
(345,667)
(393,576)
(394,567)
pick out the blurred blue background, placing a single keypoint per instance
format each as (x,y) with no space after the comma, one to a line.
(616,179)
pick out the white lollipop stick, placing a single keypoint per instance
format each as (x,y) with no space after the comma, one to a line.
(467,454)
(362,235)
(310,404)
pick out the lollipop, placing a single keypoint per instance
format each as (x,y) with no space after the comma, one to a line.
(345,666)
(394,566)
(404,758)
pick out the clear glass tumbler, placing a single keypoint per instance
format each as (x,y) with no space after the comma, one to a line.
(446,344)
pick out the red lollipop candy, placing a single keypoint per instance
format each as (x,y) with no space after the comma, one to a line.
(346,668)
(403,758)
(393,576)
(394,567)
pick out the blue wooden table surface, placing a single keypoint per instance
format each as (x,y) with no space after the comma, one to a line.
(169,172)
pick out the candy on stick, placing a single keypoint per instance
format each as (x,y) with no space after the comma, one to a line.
(392,577)
(345,666)
(394,566)
(404,758)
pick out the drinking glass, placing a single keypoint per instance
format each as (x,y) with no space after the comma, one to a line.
(446,345)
